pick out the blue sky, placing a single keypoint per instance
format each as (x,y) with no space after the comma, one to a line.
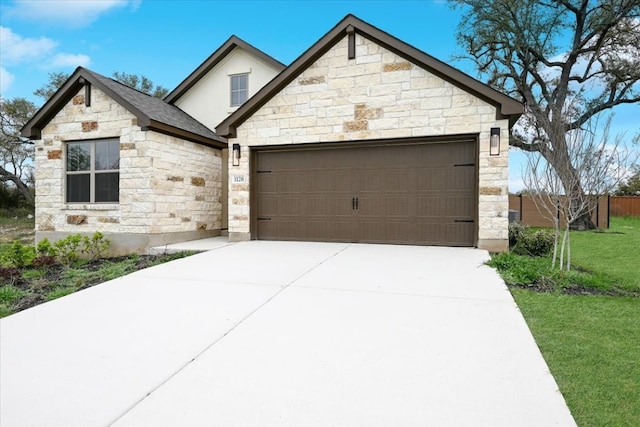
(165,40)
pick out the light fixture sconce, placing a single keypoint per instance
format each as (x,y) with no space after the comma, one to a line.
(236,154)
(494,142)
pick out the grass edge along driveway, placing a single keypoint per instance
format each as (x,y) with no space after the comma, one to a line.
(591,343)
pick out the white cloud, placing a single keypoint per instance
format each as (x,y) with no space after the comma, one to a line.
(62,60)
(6,79)
(15,49)
(74,13)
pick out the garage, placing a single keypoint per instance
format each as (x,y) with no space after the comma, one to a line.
(409,192)
(364,138)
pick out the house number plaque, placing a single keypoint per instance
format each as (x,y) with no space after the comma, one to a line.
(239,179)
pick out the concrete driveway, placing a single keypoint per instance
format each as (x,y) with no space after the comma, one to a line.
(283,334)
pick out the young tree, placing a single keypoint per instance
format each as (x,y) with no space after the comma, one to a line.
(567,60)
(15,151)
(600,165)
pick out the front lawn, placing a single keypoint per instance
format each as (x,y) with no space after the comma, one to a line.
(592,346)
(586,322)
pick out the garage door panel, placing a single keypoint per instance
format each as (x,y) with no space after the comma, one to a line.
(413,193)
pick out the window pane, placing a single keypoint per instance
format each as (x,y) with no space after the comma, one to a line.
(78,188)
(107,155)
(239,91)
(235,99)
(78,156)
(107,187)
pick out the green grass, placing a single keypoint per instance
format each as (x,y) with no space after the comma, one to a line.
(10,294)
(59,292)
(615,251)
(590,342)
(592,346)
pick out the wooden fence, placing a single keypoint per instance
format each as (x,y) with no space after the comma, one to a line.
(529,214)
(625,205)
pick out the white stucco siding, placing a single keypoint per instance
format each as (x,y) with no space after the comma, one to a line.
(377,95)
(209,101)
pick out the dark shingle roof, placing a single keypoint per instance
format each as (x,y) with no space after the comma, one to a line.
(152,113)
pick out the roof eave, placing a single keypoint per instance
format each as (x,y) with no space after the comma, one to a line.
(216,142)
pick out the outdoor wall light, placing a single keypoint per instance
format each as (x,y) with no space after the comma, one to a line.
(236,154)
(494,142)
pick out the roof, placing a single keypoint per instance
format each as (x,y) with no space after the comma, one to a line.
(507,107)
(152,113)
(215,58)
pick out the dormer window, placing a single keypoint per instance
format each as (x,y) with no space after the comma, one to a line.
(239,89)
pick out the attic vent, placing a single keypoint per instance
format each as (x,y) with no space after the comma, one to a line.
(87,91)
(351,34)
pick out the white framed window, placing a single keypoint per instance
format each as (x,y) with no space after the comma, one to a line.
(239,89)
(93,171)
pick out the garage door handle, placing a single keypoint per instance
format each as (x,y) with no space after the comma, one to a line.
(463,220)
(357,201)
(354,203)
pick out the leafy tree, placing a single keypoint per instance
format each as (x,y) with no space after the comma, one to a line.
(16,152)
(631,187)
(567,60)
(141,83)
(56,80)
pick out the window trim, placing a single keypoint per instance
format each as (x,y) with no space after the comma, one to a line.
(231,91)
(91,171)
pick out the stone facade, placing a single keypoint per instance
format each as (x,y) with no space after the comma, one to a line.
(377,95)
(170,189)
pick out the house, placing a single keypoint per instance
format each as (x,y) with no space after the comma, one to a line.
(363,138)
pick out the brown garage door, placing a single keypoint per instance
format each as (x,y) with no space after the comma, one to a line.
(418,193)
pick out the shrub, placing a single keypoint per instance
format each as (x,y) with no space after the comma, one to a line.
(525,241)
(516,231)
(537,243)
(45,254)
(19,255)
(45,248)
(67,248)
(95,246)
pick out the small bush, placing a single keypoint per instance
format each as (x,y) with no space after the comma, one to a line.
(538,243)
(67,248)
(524,241)
(45,248)
(19,255)
(95,246)
(516,231)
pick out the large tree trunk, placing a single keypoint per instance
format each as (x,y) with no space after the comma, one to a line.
(22,187)
(580,204)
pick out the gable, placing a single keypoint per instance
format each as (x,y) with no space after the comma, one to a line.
(350,26)
(377,95)
(152,113)
(214,84)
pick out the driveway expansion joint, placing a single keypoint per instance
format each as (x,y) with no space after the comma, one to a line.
(208,347)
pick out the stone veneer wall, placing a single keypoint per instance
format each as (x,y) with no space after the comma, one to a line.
(170,189)
(377,95)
